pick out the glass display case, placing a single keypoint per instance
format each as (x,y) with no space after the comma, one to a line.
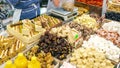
(93,6)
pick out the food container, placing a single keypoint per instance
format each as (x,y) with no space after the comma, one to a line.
(11,52)
(47,22)
(42,57)
(24,39)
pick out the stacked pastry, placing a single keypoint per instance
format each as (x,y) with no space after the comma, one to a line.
(26,31)
(89,58)
(27,28)
(5,42)
(46,60)
(14,46)
(111,51)
(47,22)
(66,31)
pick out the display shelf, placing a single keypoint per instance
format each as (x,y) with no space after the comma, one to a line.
(113,11)
(92,8)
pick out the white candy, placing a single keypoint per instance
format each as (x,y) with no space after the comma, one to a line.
(112,26)
(111,51)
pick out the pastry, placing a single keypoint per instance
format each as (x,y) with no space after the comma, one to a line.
(15,47)
(46,21)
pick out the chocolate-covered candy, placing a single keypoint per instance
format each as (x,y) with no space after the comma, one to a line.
(57,46)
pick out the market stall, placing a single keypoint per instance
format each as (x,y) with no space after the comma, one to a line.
(81,39)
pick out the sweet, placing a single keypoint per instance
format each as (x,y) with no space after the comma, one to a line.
(111,51)
(112,26)
(89,57)
(5,42)
(112,36)
(66,31)
(85,32)
(47,22)
(87,21)
(57,46)
(46,60)
(26,31)
(15,47)
(26,28)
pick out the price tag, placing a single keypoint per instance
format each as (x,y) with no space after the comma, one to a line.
(76,36)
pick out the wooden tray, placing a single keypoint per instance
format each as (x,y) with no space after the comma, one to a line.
(56,25)
(19,36)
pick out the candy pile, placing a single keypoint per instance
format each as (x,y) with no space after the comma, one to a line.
(57,46)
(112,26)
(45,59)
(111,51)
(89,58)
(66,31)
(86,32)
(87,21)
(112,36)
